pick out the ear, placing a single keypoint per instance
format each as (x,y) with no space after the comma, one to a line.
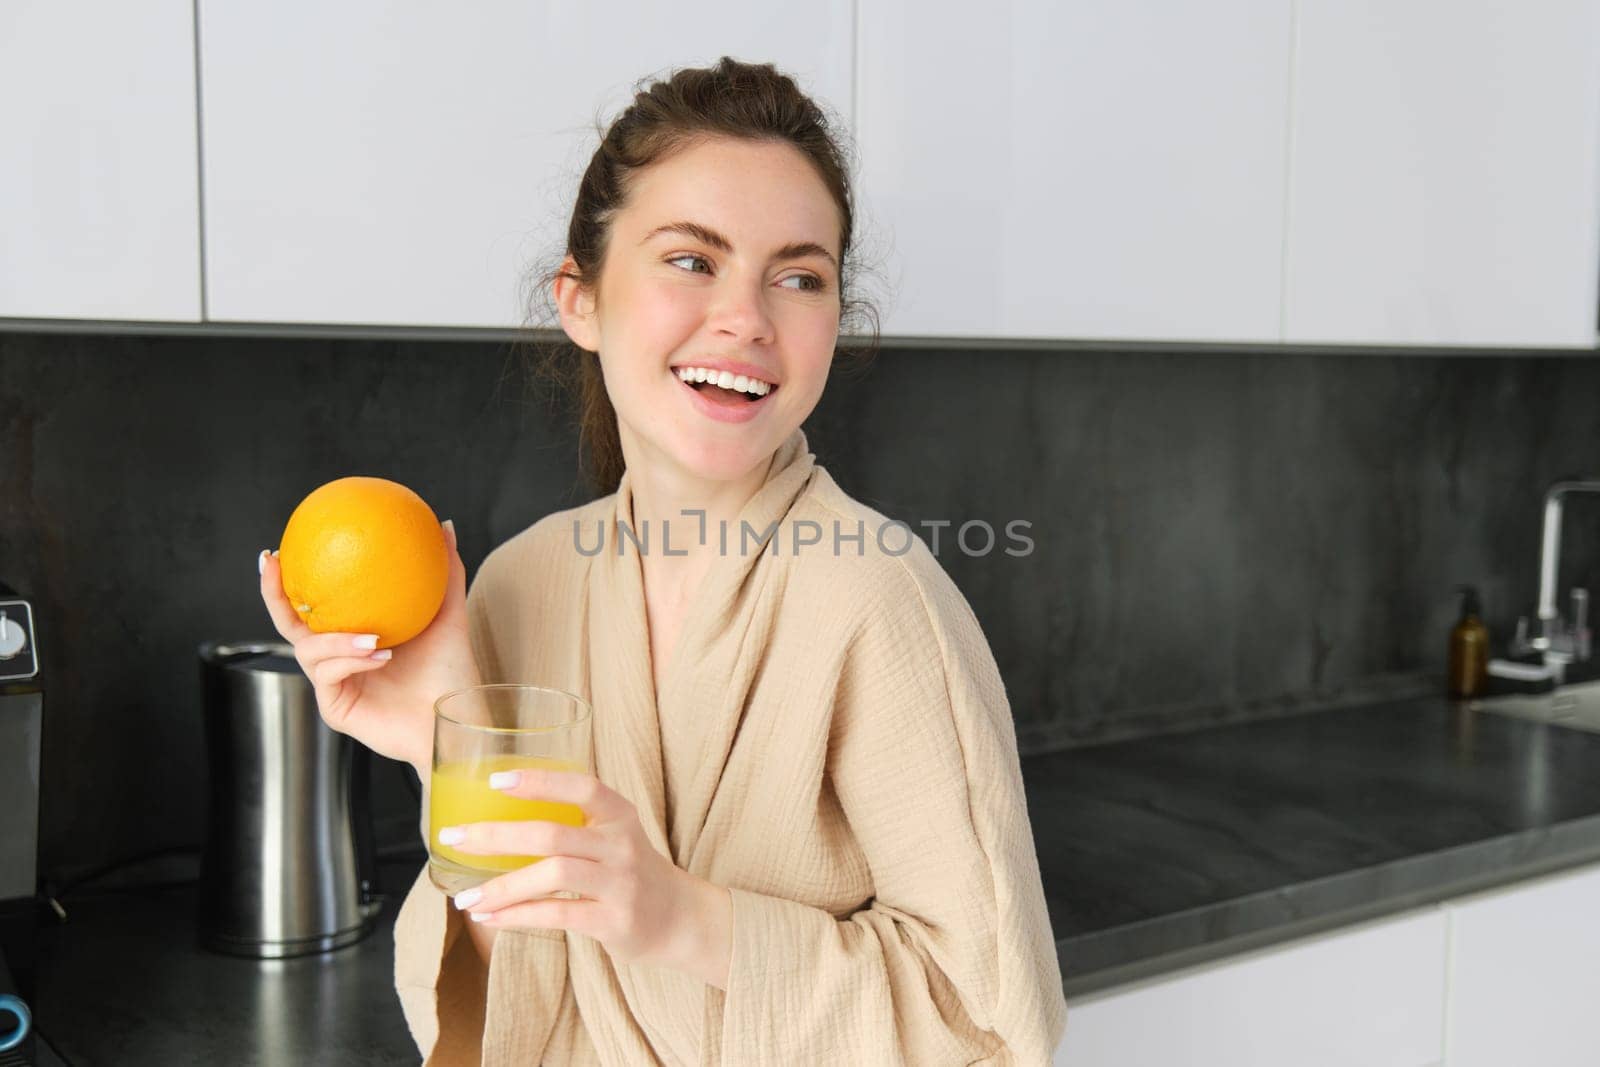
(576,307)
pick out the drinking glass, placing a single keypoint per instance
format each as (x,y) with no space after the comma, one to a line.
(487,728)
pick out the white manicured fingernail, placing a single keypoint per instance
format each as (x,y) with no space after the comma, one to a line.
(481,916)
(468,899)
(504,779)
(382,654)
(452,835)
(261,562)
(366,641)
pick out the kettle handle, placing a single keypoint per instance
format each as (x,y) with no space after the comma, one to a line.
(361,831)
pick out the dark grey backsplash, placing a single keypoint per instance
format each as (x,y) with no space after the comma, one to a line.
(1214,535)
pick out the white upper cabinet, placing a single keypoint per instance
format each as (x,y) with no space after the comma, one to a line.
(1444,188)
(1390,172)
(99,215)
(411,163)
(1077,170)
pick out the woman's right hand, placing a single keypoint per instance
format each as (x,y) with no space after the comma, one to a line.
(384,703)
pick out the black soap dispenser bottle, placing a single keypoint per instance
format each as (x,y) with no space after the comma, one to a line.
(1469,649)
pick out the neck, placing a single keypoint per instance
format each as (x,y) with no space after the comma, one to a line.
(662,494)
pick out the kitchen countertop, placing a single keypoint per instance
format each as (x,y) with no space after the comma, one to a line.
(1163,852)
(124,981)
(1156,853)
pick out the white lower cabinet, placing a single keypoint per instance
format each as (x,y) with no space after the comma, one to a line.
(1523,981)
(1367,995)
(1495,979)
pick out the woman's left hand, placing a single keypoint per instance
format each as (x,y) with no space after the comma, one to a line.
(636,902)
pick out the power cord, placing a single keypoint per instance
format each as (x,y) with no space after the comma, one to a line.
(53,892)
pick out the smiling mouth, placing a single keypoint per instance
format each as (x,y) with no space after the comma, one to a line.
(725,397)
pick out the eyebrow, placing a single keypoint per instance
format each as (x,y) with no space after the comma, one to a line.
(792,250)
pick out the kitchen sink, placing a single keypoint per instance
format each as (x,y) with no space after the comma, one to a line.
(1576,706)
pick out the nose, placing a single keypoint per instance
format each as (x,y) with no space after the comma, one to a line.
(740,313)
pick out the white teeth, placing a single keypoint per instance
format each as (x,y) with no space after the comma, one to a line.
(726,379)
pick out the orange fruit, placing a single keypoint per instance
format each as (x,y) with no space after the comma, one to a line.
(366,556)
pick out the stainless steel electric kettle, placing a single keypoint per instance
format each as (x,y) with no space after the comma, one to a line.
(289,862)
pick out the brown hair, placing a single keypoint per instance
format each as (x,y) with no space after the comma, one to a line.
(732,99)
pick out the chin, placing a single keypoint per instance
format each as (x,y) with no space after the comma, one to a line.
(728,459)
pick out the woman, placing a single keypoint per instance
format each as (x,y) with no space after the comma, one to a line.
(806,839)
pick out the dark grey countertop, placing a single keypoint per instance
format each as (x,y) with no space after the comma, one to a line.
(1166,851)
(1156,853)
(125,982)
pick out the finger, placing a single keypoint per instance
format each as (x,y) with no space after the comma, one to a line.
(330,672)
(580,916)
(456,589)
(314,648)
(538,881)
(288,624)
(532,837)
(600,803)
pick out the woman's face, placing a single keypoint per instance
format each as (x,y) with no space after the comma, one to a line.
(725,251)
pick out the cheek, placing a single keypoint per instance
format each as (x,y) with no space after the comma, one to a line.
(811,335)
(662,313)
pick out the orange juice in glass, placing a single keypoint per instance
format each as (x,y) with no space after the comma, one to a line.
(487,728)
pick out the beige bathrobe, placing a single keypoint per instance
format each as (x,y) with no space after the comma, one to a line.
(833,744)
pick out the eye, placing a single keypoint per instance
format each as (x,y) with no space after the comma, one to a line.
(813,284)
(698,259)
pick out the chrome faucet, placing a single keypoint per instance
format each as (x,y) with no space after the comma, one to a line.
(1559,642)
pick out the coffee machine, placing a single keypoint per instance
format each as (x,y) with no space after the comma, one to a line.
(21,725)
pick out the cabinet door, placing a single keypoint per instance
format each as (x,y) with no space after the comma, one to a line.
(99,214)
(1444,183)
(1077,170)
(410,163)
(1522,974)
(1366,995)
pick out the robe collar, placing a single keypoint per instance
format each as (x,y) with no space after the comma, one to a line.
(667,760)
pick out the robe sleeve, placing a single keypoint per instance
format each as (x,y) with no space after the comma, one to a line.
(458,1010)
(952,960)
